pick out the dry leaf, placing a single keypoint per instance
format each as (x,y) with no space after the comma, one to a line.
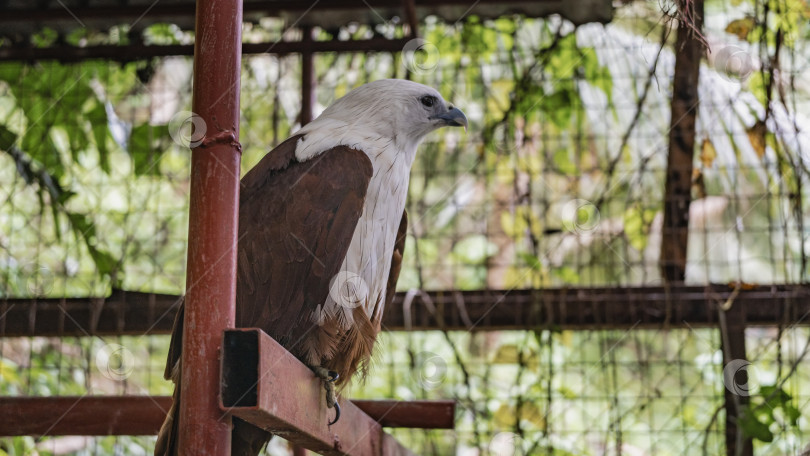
(741,27)
(756,134)
(707,153)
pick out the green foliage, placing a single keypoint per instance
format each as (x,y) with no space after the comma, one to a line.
(54,125)
(637,226)
(772,405)
(147,144)
(115,207)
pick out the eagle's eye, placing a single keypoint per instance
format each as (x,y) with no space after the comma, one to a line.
(428,100)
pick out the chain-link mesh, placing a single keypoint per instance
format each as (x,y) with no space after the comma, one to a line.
(558,182)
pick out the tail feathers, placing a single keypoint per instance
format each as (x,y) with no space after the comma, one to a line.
(167,437)
(355,349)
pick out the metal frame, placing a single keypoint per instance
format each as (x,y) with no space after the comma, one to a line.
(215,170)
(143,415)
(265,385)
(675,306)
(210,305)
(132,52)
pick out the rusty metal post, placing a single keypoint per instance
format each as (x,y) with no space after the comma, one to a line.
(308,78)
(213,218)
(732,327)
(410,15)
(678,193)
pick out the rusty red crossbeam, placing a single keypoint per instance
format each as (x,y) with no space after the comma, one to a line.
(265,385)
(573,308)
(139,51)
(143,415)
(82,415)
(169,11)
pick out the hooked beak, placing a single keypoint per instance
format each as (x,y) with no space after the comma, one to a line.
(453,118)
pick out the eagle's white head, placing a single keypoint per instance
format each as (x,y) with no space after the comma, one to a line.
(378,115)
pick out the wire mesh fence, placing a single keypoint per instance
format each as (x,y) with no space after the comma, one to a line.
(559,182)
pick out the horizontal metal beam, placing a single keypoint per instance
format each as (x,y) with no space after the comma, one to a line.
(265,385)
(600,308)
(410,414)
(135,313)
(127,53)
(122,313)
(143,415)
(168,11)
(82,415)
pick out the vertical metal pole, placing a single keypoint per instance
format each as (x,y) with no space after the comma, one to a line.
(678,193)
(214,208)
(308,79)
(733,322)
(410,15)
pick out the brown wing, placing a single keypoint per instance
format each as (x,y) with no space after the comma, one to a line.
(296,221)
(396,267)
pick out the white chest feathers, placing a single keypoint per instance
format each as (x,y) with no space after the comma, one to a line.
(363,276)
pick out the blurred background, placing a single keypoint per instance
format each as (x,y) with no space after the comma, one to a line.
(559,184)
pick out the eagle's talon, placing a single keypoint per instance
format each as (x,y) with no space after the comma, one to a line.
(337,413)
(328,378)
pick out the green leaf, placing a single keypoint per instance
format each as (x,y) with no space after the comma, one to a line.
(145,148)
(82,225)
(105,262)
(792,414)
(774,396)
(7,138)
(78,141)
(566,274)
(597,75)
(752,427)
(86,229)
(532,261)
(98,121)
(567,393)
(637,226)
(33,141)
(564,162)
(559,107)
(11,72)
(474,249)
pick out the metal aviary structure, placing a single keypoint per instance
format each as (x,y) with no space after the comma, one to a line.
(613,259)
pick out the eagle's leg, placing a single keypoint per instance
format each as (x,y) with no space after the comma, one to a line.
(328,378)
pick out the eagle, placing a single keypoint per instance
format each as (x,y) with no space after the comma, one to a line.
(322,227)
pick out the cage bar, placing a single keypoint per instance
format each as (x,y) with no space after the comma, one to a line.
(143,415)
(213,224)
(678,306)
